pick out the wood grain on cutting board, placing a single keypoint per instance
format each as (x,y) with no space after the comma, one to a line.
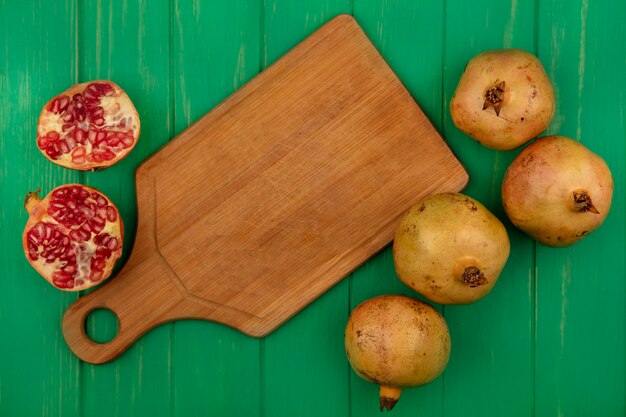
(275,195)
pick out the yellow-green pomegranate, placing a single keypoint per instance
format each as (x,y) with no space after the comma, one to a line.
(557,191)
(504,98)
(396,341)
(450,248)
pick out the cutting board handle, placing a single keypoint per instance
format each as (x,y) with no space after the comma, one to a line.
(160,299)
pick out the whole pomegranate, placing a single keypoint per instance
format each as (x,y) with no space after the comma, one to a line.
(396,341)
(450,248)
(90,126)
(73,236)
(557,191)
(504,98)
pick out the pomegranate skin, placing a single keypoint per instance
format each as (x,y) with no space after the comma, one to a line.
(450,248)
(524,104)
(396,341)
(557,191)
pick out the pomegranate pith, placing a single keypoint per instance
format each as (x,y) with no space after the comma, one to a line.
(73,237)
(90,126)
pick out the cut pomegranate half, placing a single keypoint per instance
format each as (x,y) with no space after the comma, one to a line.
(73,236)
(90,126)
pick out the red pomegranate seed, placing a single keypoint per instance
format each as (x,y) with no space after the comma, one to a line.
(54,106)
(62,279)
(64,102)
(63,146)
(112,244)
(95,275)
(128,141)
(111,214)
(113,141)
(81,135)
(78,155)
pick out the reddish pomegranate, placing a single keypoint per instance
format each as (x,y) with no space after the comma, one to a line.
(504,98)
(88,127)
(73,236)
(557,191)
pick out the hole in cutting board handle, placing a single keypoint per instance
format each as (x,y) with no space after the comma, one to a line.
(102,325)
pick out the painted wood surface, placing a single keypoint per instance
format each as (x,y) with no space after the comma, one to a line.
(548,341)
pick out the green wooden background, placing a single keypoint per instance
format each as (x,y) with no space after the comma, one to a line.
(549,339)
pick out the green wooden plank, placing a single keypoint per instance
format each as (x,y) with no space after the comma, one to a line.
(38,376)
(408,34)
(580,289)
(215,50)
(492,339)
(305,372)
(128,42)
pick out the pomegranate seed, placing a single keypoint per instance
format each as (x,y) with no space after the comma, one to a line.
(92,135)
(78,161)
(111,214)
(99,121)
(103,252)
(52,153)
(63,147)
(128,141)
(31,237)
(113,141)
(102,213)
(54,106)
(79,152)
(95,276)
(99,263)
(98,239)
(71,141)
(95,157)
(65,100)
(81,135)
(68,117)
(52,135)
(108,155)
(87,211)
(113,243)
(62,279)
(101,202)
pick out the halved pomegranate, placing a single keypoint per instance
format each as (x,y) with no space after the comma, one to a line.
(90,126)
(73,237)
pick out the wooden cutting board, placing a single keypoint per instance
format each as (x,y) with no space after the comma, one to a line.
(274,196)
